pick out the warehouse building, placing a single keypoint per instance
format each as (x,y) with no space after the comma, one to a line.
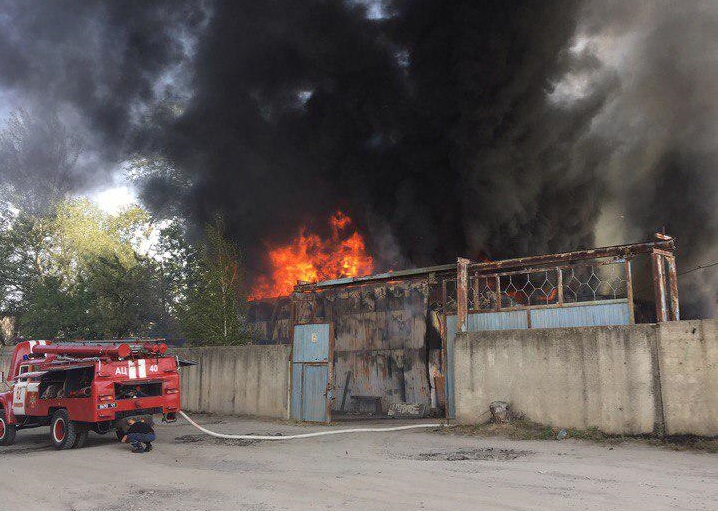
(381,345)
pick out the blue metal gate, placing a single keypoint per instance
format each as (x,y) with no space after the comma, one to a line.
(311,379)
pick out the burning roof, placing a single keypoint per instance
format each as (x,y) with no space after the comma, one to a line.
(309,258)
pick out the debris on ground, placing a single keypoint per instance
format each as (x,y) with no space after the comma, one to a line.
(499,411)
(408,410)
(192,439)
(484,454)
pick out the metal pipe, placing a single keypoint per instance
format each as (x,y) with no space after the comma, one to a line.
(462,304)
(120,350)
(673,288)
(618,251)
(659,286)
(629,292)
(498,293)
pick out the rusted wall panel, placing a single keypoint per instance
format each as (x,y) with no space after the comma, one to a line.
(270,320)
(380,331)
(380,340)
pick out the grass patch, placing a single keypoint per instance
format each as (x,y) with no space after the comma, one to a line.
(687,443)
(524,429)
(517,429)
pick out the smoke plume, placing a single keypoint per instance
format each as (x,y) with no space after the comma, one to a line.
(661,128)
(98,67)
(433,119)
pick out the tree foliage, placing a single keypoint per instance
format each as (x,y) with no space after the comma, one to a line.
(68,269)
(216,300)
(78,272)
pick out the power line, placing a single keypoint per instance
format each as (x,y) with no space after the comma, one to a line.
(700,267)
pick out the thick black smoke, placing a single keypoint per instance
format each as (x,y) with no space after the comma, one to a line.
(431,125)
(296,113)
(444,128)
(662,130)
(97,66)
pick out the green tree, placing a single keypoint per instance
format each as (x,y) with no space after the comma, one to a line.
(54,310)
(75,272)
(82,233)
(123,299)
(216,301)
(24,260)
(176,262)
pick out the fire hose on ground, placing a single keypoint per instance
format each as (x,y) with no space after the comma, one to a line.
(310,435)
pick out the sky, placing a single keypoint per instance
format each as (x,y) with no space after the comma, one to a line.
(116,195)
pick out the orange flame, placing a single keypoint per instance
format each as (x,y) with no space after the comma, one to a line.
(311,259)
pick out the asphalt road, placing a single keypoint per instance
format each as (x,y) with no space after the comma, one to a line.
(391,471)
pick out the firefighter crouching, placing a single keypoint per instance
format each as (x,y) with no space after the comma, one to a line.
(140,435)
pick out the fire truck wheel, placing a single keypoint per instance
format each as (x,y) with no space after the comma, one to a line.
(63,431)
(7,431)
(81,436)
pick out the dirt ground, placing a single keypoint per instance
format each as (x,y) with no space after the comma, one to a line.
(368,471)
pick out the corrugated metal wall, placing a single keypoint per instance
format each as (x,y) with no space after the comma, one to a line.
(380,333)
(271,320)
(506,320)
(594,314)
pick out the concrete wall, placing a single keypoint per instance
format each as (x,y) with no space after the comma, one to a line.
(688,361)
(631,379)
(241,380)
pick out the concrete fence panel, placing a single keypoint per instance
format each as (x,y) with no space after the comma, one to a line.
(688,362)
(568,377)
(241,380)
(629,379)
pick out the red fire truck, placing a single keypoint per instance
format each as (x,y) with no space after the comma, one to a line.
(77,387)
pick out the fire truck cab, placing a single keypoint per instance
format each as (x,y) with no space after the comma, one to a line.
(78,387)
